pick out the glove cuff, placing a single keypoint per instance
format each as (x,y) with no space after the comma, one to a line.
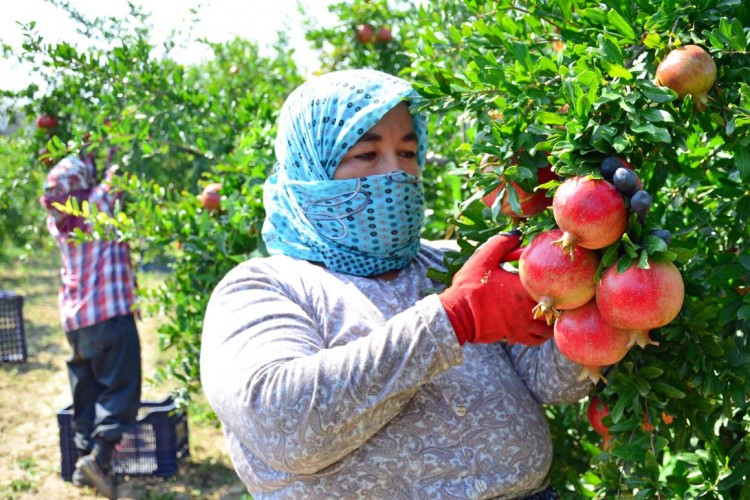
(459,313)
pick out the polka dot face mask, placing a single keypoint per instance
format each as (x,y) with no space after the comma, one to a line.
(363,226)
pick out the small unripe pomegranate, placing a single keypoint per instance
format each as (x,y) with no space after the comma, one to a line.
(211,196)
(596,412)
(555,280)
(688,70)
(590,212)
(583,336)
(532,203)
(641,299)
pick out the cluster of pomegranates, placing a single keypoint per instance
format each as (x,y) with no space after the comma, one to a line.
(598,312)
(367,34)
(46,123)
(598,315)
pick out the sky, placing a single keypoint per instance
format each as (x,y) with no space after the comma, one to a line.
(221,20)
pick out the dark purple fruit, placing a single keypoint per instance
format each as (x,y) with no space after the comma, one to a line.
(640,203)
(626,181)
(609,166)
(663,234)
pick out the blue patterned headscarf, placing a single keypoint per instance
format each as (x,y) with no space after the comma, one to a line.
(363,226)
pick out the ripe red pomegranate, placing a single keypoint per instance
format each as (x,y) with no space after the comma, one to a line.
(586,338)
(591,213)
(46,122)
(596,412)
(531,203)
(383,35)
(211,196)
(365,33)
(688,70)
(641,299)
(555,280)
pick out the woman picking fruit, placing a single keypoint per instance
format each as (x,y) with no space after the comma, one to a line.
(334,368)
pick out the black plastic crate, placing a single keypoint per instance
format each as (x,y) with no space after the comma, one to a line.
(152,448)
(12,337)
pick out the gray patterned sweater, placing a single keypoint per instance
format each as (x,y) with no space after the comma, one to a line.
(335,386)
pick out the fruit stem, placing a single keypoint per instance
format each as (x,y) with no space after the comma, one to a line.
(700,101)
(546,308)
(593,373)
(567,242)
(641,338)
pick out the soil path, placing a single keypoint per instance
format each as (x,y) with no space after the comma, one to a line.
(32,393)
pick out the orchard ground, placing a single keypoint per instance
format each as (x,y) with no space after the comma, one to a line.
(32,393)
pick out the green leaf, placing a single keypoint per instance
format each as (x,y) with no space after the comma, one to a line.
(652,41)
(742,161)
(657,115)
(653,132)
(624,263)
(740,474)
(624,27)
(655,93)
(551,118)
(610,254)
(643,261)
(620,143)
(651,465)
(668,390)
(594,15)
(631,451)
(654,244)
(650,371)
(665,256)
(617,71)
(683,254)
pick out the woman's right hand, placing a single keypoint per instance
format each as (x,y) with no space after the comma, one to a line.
(486,303)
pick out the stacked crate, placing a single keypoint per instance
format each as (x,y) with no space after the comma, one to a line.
(12,337)
(152,448)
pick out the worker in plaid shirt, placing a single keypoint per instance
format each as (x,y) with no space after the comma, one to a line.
(97,311)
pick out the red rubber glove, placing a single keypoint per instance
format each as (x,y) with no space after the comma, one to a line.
(486,303)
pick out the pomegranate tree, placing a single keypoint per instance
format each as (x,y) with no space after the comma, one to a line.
(555,280)
(688,70)
(590,212)
(640,299)
(585,337)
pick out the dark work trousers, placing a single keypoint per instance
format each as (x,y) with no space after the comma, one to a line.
(105,379)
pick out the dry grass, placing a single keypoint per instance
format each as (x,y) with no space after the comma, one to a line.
(32,393)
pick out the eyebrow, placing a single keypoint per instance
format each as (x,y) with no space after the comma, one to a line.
(370,137)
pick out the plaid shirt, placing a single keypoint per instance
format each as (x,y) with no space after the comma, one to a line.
(97,276)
